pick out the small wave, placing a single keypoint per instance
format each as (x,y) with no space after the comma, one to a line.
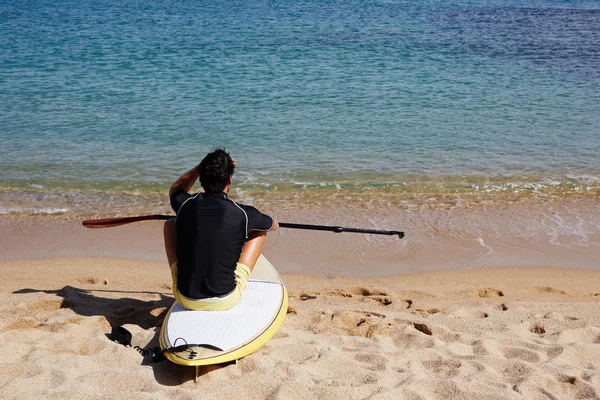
(416,193)
(36,186)
(32,210)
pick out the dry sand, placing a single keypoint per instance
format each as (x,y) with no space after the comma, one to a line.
(488,333)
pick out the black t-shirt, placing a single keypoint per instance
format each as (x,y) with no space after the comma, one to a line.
(211,231)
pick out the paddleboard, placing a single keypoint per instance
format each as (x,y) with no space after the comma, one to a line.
(195,338)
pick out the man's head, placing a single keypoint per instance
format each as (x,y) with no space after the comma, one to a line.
(216,170)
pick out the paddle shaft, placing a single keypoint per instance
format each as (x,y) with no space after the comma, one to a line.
(339,229)
(110,222)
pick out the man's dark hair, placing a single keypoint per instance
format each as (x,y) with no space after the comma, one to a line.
(215,170)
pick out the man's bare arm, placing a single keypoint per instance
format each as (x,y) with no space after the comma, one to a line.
(185,181)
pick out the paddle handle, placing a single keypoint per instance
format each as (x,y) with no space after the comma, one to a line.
(110,222)
(339,229)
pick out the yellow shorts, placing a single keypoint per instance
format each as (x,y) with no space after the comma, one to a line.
(242,273)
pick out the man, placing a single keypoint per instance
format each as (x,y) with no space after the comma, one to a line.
(213,243)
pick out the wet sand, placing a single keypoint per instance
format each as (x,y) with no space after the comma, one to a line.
(555,233)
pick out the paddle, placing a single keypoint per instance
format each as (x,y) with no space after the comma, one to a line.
(110,222)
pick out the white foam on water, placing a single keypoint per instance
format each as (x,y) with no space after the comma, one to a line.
(559,228)
(30,210)
(490,250)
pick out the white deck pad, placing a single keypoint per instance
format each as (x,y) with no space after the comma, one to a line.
(231,329)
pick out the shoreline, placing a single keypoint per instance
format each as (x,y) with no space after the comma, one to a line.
(562,233)
(415,194)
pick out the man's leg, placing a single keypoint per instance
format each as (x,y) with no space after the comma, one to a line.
(252,249)
(170,241)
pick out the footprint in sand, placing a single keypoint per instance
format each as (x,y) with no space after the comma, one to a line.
(366,294)
(553,315)
(468,313)
(423,328)
(443,368)
(46,305)
(376,362)
(281,335)
(547,289)
(579,388)
(566,379)
(520,354)
(292,311)
(589,334)
(352,323)
(369,379)
(357,291)
(489,292)
(539,347)
(52,378)
(30,323)
(89,349)
(415,340)
(538,328)
(513,371)
(373,295)
(421,312)
(384,301)
(338,293)
(21,323)
(553,352)
(93,281)
(248,365)
(440,332)
(479,348)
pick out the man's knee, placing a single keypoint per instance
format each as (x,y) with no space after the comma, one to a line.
(169,227)
(170,235)
(257,235)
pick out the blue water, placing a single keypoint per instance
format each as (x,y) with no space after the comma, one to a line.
(129,94)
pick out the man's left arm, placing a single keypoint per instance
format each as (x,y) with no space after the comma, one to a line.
(258,221)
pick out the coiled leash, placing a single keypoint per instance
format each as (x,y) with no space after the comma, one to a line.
(123,336)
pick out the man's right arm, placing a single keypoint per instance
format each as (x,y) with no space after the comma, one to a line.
(185,181)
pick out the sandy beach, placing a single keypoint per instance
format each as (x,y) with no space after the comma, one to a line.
(479,333)
(470,125)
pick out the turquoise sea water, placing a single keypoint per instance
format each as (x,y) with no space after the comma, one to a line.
(109,99)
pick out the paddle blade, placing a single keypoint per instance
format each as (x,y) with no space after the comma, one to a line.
(110,222)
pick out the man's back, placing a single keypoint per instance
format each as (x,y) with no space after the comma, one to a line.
(211,232)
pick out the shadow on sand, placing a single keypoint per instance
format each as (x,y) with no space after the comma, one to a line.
(147,314)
